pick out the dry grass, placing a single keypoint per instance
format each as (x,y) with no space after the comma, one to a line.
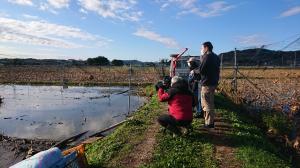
(77,75)
(276,90)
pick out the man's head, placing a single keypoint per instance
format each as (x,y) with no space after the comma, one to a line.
(206,47)
(176,79)
(193,62)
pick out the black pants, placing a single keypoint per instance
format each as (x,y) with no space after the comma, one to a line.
(170,123)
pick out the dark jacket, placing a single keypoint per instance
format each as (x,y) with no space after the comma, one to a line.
(193,79)
(209,69)
(180,100)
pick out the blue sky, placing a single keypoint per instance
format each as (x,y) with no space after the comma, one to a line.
(146,30)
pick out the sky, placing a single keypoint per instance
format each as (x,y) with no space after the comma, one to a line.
(146,30)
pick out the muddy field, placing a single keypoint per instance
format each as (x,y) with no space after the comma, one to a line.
(33,118)
(83,75)
(14,150)
(259,88)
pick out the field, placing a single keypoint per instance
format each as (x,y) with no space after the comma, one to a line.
(260,88)
(272,96)
(78,75)
(256,126)
(267,88)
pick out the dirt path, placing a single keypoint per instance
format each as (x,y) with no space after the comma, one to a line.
(142,153)
(224,152)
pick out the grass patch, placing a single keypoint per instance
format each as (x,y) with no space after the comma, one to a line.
(252,146)
(194,150)
(277,122)
(110,151)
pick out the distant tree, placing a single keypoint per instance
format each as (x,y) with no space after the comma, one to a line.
(100,60)
(165,62)
(117,62)
(16,61)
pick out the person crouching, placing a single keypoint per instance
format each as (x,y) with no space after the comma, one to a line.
(180,103)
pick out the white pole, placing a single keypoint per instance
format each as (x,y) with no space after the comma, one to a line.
(129,92)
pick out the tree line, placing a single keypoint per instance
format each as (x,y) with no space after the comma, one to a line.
(102,61)
(97,61)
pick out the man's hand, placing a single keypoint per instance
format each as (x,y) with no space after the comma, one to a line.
(167,82)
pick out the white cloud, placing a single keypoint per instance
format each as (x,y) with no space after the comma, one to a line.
(251,40)
(22,2)
(35,40)
(47,7)
(150,35)
(290,12)
(117,9)
(53,5)
(39,32)
(59,3)
(31,17)
(216,8)
(83,11)
(3,14)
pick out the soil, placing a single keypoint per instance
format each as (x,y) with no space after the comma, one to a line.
(14,150)
(143,152)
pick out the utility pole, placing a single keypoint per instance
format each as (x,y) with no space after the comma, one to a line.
(221,65)
(295,59)
(222,61)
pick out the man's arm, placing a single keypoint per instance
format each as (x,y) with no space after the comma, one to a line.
(203,64)
(162,95)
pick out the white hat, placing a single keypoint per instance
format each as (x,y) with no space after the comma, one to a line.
(192,59)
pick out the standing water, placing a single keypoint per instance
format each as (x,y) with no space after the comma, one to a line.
(50,112)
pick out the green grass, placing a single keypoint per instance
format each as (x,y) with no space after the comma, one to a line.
(252,146)
(109,151)
(278,122)
(194,150)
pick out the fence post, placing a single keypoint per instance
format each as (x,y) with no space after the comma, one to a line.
(221,67)
(109,80)
(129,92)
(295,60)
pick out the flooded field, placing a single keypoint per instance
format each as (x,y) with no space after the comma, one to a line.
(50,112)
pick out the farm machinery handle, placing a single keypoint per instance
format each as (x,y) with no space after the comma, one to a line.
(174,60)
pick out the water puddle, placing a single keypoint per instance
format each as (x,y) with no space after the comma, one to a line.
(50,112)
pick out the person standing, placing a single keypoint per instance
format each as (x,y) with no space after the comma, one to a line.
(210,73)
(193,80)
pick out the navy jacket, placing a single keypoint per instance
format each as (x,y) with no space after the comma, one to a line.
(209,69)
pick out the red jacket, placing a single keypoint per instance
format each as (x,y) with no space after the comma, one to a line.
(180,102)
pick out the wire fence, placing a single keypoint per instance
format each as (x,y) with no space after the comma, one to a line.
(266,79)
(266,85)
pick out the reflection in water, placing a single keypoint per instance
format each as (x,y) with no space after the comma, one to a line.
(49,112)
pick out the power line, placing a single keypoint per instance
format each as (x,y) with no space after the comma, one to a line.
(291,43)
